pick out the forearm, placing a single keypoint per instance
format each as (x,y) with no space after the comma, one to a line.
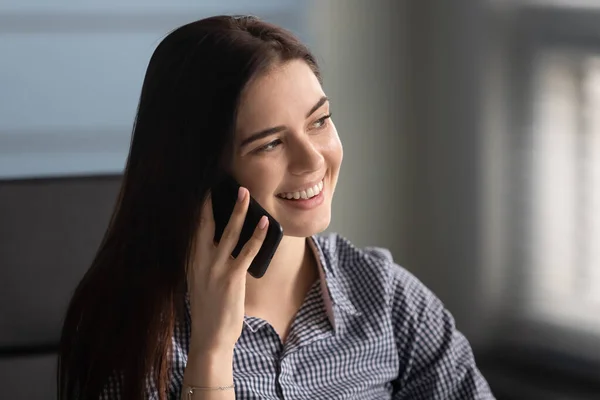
(209,370)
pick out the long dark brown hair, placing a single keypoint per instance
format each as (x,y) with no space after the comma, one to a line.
(122,315)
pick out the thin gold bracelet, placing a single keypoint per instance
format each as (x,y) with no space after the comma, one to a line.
(189,390)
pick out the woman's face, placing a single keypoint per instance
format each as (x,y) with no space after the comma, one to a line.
(287,146)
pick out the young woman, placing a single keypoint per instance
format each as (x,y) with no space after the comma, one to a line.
(165,312)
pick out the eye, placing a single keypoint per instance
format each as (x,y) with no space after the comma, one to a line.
(269,146)
(322,122)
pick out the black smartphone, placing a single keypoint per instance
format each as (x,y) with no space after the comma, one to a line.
(224,197)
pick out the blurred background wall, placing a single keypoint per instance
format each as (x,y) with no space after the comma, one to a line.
(472,151)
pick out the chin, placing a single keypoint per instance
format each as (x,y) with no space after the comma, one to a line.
(305,228)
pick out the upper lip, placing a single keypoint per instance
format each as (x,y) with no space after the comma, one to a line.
(304,187)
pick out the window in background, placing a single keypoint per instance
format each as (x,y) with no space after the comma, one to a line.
(563,247)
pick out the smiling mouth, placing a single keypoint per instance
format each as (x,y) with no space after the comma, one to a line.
(303,194)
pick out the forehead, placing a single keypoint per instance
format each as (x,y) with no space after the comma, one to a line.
(286,91)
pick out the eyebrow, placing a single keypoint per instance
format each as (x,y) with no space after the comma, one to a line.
(269,131)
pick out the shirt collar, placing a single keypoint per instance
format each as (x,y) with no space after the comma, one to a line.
(333,290)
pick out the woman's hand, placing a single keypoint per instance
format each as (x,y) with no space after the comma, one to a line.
(217,281)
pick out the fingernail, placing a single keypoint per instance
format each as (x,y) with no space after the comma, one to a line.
(262,224)
(241,194)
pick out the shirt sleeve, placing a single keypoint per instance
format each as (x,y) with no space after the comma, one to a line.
(436,360)
(112,390)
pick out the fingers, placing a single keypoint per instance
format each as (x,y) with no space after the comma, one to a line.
(231,234)
(203,242)
(206,231)
(251,248)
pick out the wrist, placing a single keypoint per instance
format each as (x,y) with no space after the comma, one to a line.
(209,368)
(209,353)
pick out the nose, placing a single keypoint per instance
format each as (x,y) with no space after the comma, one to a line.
(304,158)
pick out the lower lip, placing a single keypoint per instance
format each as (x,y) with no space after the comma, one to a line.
(305,204)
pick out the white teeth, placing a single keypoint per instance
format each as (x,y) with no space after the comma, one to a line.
(304,194)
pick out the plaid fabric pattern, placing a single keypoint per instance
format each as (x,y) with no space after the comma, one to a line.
(367,330)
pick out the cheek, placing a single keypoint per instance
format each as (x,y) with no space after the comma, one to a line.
(333,150)
(256,178)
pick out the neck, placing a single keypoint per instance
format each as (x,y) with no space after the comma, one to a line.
(292,269)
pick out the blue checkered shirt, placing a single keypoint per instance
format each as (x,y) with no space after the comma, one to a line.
(368,329)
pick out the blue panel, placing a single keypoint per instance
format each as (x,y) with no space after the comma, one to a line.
(71,74)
